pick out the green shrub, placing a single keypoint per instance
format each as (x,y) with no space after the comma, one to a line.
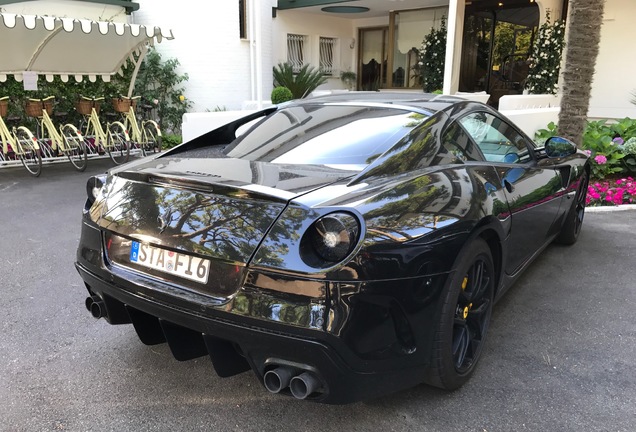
(170,140)
(629,148)
(604,143)
(545,59)
(431,58)
(542,135)
(158,80)
(300,84)
(281,94)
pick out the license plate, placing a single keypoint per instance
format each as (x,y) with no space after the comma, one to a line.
(170,262)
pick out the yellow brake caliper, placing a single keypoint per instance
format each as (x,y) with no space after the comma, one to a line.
(466,308)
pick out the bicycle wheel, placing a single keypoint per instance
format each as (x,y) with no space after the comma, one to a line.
(46,151)
(75,150)
(45,143)
(29,154)
(151,137)
(117,143)
(87,130)
(83,126)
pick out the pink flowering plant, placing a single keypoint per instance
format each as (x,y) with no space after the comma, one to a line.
(605,146)
(612,192)
(610,146)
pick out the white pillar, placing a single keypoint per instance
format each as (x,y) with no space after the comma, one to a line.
(252,34)
(454,37)
(555,8)
(258,13)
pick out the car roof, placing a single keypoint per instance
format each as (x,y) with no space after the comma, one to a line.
(420,101)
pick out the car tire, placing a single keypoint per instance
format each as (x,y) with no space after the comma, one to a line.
(574,220)
(465,317)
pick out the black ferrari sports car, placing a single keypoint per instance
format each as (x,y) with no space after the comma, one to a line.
(340,247)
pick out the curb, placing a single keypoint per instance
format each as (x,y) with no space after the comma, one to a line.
(604,209)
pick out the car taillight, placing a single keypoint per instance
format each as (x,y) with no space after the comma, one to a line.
(333,237)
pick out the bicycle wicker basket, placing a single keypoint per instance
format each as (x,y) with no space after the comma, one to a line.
(84,106)
(122,105)
(4,106)
(35,108)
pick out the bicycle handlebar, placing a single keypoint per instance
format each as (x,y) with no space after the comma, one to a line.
(129,98)
(46,99)
(91,99)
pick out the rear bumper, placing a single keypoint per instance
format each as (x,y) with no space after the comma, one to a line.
(362,340)
(238,345)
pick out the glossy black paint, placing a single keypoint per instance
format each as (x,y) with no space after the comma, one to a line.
(363,326)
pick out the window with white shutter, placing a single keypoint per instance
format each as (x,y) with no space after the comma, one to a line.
(296,46)
(327,49)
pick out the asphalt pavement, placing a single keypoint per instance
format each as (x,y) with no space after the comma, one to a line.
(561,354)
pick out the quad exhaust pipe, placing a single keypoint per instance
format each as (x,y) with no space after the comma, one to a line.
(301,383)
(278,379)
(95,305)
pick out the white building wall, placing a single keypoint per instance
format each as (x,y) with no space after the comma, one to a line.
(615,80)
(267,46)
(68,9)
(208,46)
(314,26)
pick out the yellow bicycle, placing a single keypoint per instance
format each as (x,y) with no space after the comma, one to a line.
(144,134)
(67,142)
(114,139)
(19,143)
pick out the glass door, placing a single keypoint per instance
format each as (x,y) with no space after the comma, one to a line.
(496,47)
(372,58)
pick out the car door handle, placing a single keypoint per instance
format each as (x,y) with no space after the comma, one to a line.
(509,187)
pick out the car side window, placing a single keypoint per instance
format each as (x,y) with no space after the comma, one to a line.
(496,139)
(456,141)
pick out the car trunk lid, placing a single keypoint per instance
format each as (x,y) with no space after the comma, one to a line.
(195,220)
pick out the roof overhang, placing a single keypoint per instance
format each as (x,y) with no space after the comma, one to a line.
(295,4)
(51,46)
(365,8)
(128,5)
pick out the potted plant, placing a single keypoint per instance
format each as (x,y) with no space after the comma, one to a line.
(348,78)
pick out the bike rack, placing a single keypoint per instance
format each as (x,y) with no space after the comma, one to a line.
(116,43)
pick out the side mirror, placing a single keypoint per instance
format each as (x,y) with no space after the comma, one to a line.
(557,147)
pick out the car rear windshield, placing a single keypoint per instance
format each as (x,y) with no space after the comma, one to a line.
(325,135)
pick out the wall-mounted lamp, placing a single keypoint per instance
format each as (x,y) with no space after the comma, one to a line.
(352,44)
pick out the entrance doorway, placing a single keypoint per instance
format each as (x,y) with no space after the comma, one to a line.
(388,55)
(496,46)
(372,58)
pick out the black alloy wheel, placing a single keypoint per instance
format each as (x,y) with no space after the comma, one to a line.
(472,314)
(574,220)
(465,317)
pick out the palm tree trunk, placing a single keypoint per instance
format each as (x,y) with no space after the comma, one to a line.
(584,36)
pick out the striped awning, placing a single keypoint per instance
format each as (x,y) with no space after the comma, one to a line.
(68,47)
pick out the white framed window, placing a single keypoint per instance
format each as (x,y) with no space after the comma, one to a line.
(326,50)
(243,19)
(296,50)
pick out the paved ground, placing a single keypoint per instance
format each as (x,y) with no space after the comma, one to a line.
(561,354)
